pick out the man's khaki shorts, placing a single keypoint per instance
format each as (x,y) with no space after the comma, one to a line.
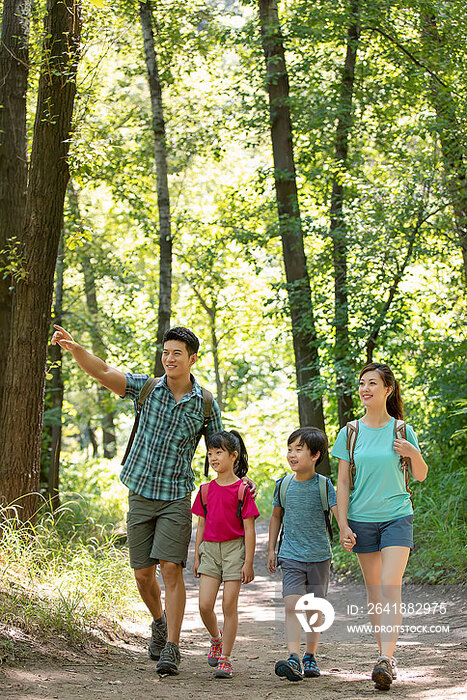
(222,560)
(158,530)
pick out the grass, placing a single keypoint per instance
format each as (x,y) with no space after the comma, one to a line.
(66,576)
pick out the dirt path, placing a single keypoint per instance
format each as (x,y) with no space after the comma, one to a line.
(432,664)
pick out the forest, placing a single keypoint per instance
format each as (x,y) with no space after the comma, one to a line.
(287,179)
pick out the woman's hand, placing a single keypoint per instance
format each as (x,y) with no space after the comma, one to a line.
(196,565)
(404,448)
(348,538)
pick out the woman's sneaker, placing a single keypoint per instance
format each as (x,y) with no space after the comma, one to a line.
(310,667)
(382,673)
(289,669)
(224,669)
(394,668)
(215,652)
(158,638)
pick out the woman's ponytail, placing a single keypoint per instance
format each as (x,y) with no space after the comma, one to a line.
(394,404)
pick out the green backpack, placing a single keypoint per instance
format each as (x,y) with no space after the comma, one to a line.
(323,492)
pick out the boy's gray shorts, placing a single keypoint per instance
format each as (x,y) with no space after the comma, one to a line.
(299,577)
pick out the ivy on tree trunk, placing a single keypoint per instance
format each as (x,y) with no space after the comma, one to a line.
(14,69)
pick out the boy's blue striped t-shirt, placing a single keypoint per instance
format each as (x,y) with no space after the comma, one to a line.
(305,536)
(159,463)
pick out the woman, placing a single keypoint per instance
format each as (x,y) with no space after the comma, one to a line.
(376,515)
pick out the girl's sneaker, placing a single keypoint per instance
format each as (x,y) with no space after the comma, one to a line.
(224,669)
(215,651)
(310,667)
(382,673)
(289,669)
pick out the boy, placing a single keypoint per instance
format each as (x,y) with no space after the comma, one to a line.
(304,553)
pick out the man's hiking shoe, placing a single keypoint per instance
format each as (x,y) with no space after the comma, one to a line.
(394,668)
(310,667)
(382,673)
(169,660)
(289,669)
(158,638)
(224,669)
(215,651)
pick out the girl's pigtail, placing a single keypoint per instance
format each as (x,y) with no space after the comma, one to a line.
(241,465)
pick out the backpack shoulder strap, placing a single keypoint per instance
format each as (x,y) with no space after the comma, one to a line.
(146,390)
(283,487)
(148,386)
(323,492)
(242,491)
(208,399)
(203,497)
(352,434)
(400,431)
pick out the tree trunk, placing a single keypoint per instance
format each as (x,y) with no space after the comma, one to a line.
(298,284)
(14,65)
(56,386)
(338,228)
(22,413)
(211,311)
(449,130)
(163,199)
(106,402)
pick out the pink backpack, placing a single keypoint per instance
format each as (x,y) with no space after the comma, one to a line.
(242,489)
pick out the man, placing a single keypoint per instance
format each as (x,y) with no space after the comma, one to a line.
(158,474)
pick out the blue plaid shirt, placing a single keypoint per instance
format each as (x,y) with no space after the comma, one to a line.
(159,463)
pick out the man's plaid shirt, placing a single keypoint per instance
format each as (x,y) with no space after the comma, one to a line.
(159,463)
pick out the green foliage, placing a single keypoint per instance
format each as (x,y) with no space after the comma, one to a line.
(228,280)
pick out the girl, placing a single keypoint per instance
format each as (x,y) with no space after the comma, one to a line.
(225,542)
(376,517)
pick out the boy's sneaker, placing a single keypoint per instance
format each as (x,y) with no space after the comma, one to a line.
(310,667)
(215,651)
(158,638)
(382,673)
(224,669)
(289,669)
(169,660)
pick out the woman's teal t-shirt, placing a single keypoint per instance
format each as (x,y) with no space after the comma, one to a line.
(379,492)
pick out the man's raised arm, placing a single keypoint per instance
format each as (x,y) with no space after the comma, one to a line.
(109,377)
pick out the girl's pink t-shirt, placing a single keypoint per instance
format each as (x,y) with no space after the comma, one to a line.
(222,523)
